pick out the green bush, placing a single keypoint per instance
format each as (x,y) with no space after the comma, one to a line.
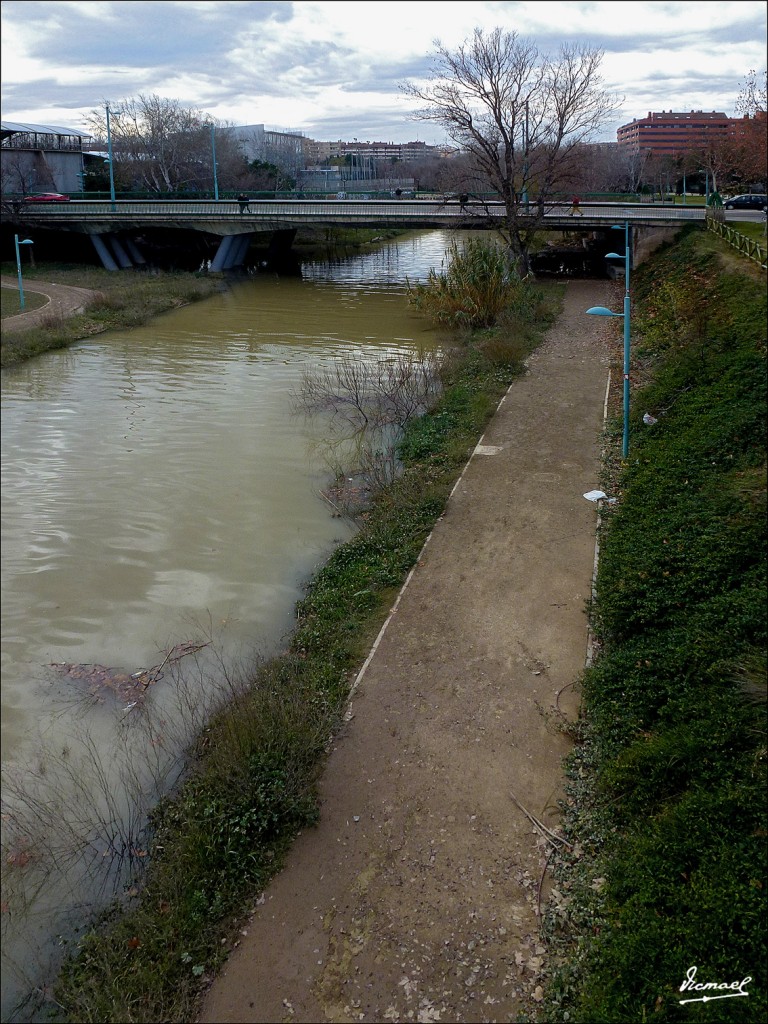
(478,285)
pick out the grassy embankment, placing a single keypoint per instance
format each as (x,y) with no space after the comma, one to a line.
(750,229)
(666,809)
(251,781)
(124,299)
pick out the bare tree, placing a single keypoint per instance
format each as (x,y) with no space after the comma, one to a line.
(661,173)
(718,160)
(750,153)
(520,114)
(427,173)
(753,95)
(160,145)
(365,406)
(18,172)
(635,167)
(751,142)
(597,167)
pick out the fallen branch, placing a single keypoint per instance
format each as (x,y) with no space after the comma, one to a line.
(155,673)
(547,834)
(557,695)
(550,855)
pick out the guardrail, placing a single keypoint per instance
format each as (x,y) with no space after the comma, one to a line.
(360,211)
(746,246)
(356,192)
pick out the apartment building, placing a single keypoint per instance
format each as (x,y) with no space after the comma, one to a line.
(671,133)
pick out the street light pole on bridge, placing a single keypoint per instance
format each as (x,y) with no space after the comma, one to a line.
(215,170)
(109,160)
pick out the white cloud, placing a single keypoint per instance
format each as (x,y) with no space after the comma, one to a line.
(319,66)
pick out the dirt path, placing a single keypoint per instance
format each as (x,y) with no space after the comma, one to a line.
(63,301)
(415,899)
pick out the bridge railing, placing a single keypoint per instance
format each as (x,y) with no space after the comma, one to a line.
(350,210)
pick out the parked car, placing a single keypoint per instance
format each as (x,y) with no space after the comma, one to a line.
(751,201)
(47,197)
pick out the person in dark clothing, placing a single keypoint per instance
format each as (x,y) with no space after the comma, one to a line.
(243,201)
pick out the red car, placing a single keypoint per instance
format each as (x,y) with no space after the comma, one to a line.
(47,197)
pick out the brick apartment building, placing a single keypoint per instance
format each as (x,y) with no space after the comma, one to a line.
(671,133)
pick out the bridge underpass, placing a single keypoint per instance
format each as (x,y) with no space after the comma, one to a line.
(116,229)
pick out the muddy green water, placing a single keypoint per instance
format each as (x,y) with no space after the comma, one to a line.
(159,488)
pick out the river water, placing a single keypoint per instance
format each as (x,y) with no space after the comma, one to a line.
(159,489)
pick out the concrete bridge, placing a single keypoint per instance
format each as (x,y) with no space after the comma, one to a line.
(114,228)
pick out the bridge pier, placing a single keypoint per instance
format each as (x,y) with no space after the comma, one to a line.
(121,255)
(136,254)
(106,257)
(231,251)
(112,252)
(241,249)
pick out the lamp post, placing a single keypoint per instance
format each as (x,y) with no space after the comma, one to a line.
(525,160)
(109,157)
(602,311)
(24,241)
(627,252)
(215,171)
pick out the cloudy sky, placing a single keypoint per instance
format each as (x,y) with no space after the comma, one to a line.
(332,69)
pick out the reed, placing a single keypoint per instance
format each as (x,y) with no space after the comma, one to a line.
(478,284)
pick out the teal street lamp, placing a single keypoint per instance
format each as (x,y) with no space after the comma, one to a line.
(24,241)
(525,160)
(602,311)
(627,252)
(215,170)
(109,157)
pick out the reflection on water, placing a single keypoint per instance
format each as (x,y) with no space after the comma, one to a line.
(158,486)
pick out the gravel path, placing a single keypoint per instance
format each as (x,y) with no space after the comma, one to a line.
(416,897)
(63,301)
